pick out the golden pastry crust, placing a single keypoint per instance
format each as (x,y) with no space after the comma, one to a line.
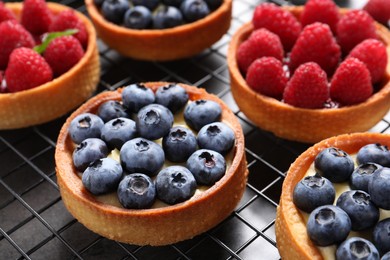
(163,45)
(160,226)
(57,97)
(299,124)
(291,236)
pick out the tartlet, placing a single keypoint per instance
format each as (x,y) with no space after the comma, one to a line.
(300,124)
(163,45)
(59,96)
(155,226)
(292,239)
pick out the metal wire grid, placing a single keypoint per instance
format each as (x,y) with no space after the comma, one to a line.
(34,224)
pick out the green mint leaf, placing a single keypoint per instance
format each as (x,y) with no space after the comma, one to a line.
(51,36)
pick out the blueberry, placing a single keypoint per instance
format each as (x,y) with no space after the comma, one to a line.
(334,164)
(175,3)
(216,136)
(375,153)
(88,151)
(137,191)
(202,112)
(360,209)
(175,184)
(150,4)
(356,248)
(172,96)
(140,155)
(138,17)
(111,109)
(179,144)
(114,10)
(194,10)
(214,4)
(136,96)
(362,174)
(118,131)
(381,235)
(85,126)
(379,188)
(207,166)
(102,176)
(328,225)
(167,17)
(154,121)
(312,192)
(386,256)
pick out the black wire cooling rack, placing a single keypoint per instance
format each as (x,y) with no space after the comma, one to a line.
(34,224)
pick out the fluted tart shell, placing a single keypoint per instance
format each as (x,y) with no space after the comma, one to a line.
(156,226)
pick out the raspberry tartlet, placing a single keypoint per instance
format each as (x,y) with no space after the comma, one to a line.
(58,96)
(291,231)
(163,44)
(304,124)
(157,225)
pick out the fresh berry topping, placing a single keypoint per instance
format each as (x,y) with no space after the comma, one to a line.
(114,10)
(112,109)
(202,112)
(360,209)
(379,10)
(278,21)
(87,152)
(85,126)
(373,54)
(36,16)
(216,136)
(354,27)
(374,153)
(260,43)
(102,176)
(136,191)
(136,96)
(175,184)
(328,225)
(167,17)
(194,10)
(266,76)
(175,3)
(63,53)
(140,155)
(26,69)
(357,248)
(312,192)
(379,188)
(138,17)
(386,256)
(308,87)
(5,13)
(334,164)
(179,144)
(214,4)
(68,19)
(207,166)
(154,121)
(172,96)
(118,131)
(351,83)
(362,174)
(16,36)
(323,11)
(316,44)
(381,236)
(150,4)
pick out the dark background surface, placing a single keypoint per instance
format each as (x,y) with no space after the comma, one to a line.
(35,224)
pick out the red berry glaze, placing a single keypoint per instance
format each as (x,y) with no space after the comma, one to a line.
(5,13)
(324,11)
(36,16)
(351,83)
(379,10)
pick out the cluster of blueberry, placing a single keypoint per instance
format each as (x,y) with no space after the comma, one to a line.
(198,159)
(357,209)
(155,14)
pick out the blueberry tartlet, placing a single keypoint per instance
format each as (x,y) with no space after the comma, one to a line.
(161,163)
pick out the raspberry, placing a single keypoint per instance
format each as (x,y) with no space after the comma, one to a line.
(278,21)
(266,76)
(373,54)
(5,13)
(63,53)
(379,10)
(68,19)
(308,87)
(36,16)
(26,69)
(354,27)
(324,11)
(259,44)
(13,36)
(351,83)
(317,44)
